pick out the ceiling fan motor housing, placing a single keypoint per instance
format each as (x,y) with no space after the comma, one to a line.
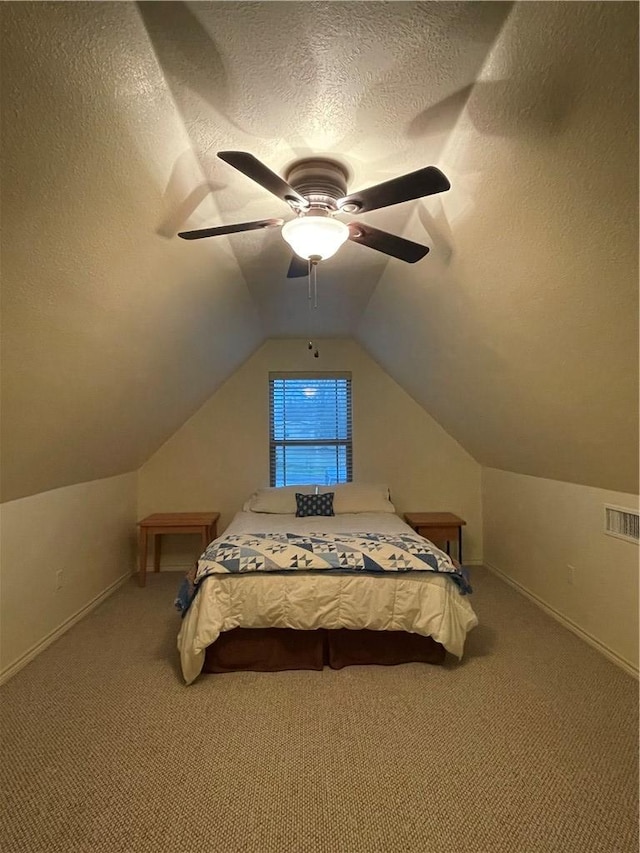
(320,180)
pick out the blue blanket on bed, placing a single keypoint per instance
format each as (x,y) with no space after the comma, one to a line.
(326,552)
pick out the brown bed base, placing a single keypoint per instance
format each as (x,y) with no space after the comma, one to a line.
(277,649)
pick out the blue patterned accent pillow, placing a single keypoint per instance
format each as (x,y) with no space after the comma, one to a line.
(314,504)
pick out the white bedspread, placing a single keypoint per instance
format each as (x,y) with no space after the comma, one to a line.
(420,602)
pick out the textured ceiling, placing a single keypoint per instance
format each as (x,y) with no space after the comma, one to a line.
(518,332)
(378,86)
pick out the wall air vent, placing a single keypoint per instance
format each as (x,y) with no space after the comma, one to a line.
(623,523)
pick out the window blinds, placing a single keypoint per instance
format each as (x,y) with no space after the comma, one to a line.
(310,429)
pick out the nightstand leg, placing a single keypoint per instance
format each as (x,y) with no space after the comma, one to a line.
(142,556)
(157,550)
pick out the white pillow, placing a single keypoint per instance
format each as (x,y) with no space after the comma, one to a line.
(277,499)
(359,497)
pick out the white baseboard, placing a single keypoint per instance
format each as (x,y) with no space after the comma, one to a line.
(609,653)
(35,650)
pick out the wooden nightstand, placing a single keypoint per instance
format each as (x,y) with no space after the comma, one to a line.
(203,523)
(441,528)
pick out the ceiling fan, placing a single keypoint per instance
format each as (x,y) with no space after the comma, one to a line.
(316,190)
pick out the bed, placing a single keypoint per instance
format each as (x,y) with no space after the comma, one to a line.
(327,601)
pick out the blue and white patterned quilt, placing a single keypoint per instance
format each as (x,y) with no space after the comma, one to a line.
(327,552)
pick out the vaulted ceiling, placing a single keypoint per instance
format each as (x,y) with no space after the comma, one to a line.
(518,332)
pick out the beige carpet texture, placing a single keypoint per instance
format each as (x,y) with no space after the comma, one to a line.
(529,745)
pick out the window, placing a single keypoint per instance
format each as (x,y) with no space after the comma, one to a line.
(310,428)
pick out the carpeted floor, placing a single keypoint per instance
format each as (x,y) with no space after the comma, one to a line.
(530,744)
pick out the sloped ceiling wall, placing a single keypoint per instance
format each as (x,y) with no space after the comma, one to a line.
(112,334)
(518,333)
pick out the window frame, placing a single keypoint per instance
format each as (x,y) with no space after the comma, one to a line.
(274,443)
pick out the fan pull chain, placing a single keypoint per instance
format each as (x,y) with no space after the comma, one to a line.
(315,285)
(313,274)
(313,282)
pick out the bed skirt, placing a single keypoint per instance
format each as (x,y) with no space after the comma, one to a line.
(277,649)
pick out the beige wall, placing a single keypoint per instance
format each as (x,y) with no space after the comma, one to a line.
(87,531)
(534,528)
(220,455)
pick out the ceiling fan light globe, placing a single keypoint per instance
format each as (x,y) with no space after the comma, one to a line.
(318,236)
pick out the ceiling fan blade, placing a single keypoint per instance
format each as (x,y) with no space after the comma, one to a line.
(389,244)
(427,181)
(230,229)
(261,174)
(298,268)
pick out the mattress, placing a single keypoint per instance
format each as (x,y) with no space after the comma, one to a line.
(415,602)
